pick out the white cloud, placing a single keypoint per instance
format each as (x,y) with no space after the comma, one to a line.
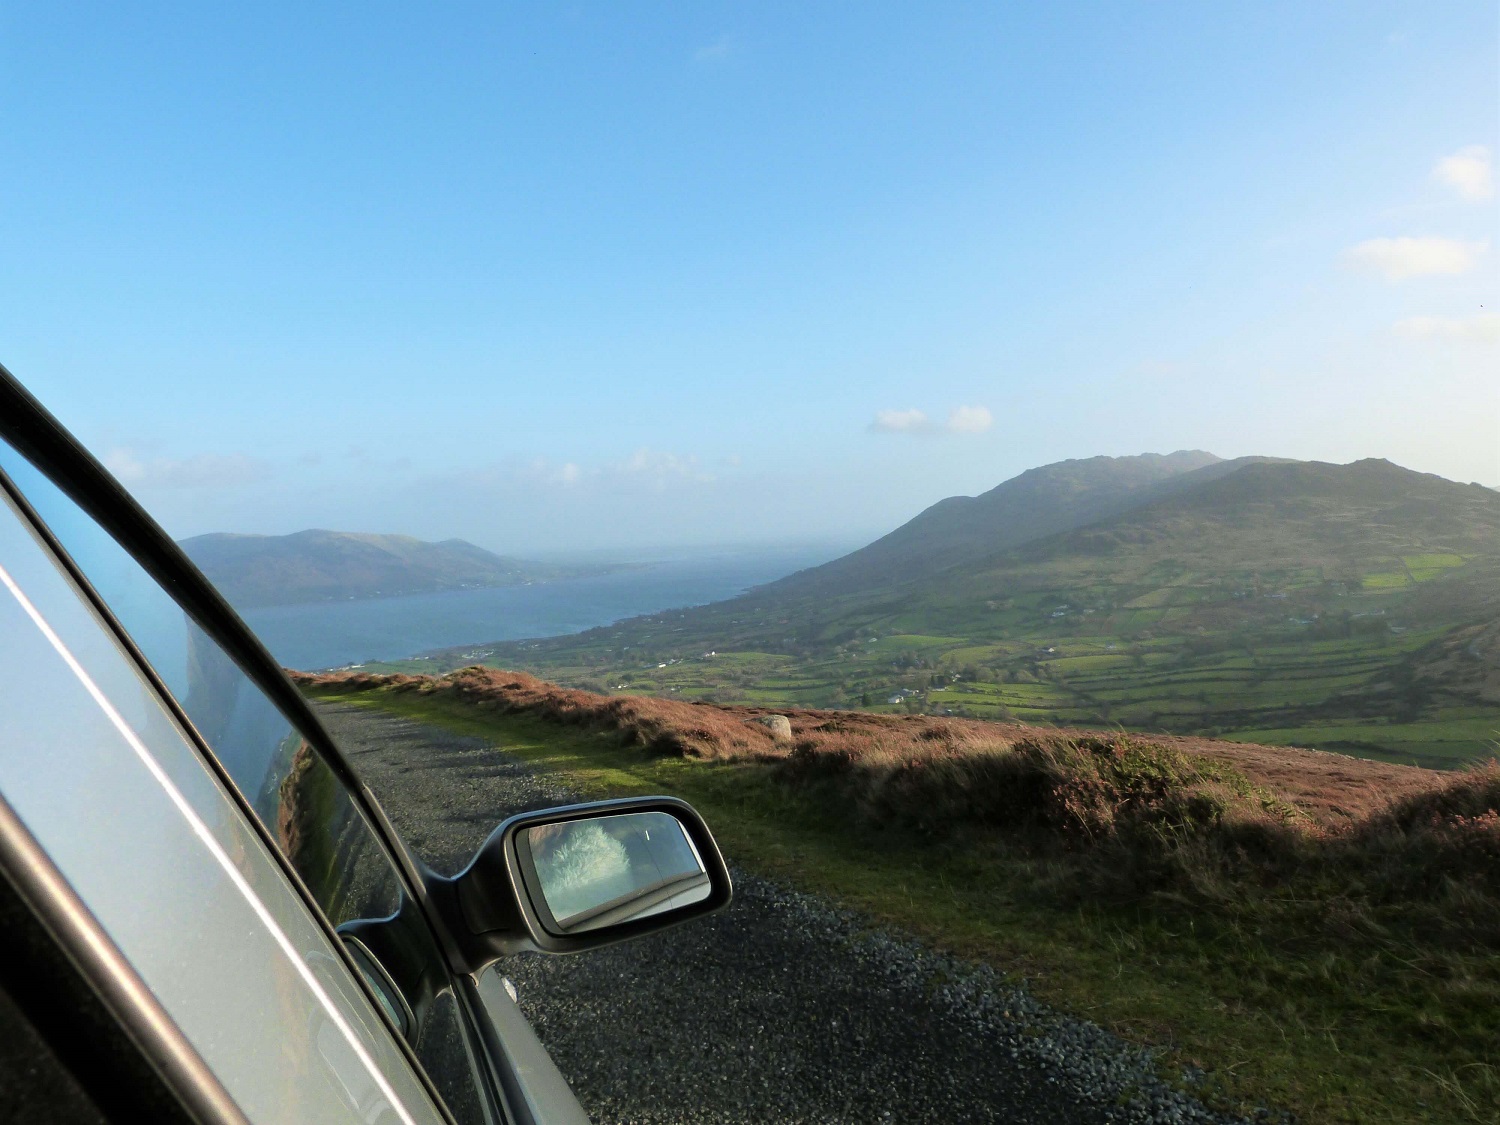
(902,422)
(539,470)
(1397,259)
(970,419)
(660,464)
(1467,172)
(202,470)
(961,420)
(1480,328)
(645,467)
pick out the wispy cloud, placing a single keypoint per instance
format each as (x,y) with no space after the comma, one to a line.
(902,422)
(1399,259)
(1481,328)
(645,465)
(539,470)
(1468,173)
(961,420)
(202,470)
(712,52)
(658,465)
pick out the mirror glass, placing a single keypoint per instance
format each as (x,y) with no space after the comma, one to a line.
(611,869)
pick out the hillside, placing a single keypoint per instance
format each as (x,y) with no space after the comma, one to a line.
(1309,535)
(311,566)
(1331,605)
(1039,502)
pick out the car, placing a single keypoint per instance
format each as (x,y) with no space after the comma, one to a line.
(205,915)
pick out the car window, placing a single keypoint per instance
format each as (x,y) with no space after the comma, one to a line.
(126,809)
(301,802)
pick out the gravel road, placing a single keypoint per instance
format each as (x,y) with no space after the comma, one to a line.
(781,1009)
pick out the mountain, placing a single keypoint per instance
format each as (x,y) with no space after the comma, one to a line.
(1279,515)
(1039,502)
(1309,531)
(311,566)
(1343,606)
(1131,531)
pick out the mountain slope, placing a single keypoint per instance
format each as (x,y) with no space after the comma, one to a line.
(1038,503)
(1233,545)
(309,566)
(1364,517)
(1269,545)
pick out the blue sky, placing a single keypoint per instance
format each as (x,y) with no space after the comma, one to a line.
(550,279)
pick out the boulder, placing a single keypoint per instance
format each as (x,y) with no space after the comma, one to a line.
(778,726)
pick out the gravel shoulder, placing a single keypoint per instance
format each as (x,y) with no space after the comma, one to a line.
(784,1008)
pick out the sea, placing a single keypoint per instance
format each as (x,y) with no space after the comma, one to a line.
(326,635)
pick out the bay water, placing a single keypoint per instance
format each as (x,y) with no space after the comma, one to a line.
(336,634)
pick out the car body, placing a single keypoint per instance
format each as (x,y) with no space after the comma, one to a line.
(204,913)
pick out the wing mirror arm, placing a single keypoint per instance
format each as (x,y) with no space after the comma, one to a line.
(577,877)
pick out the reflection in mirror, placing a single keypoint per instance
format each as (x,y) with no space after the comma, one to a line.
(611,869)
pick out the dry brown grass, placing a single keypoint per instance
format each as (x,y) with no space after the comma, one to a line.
(1121,815)
(1327,788)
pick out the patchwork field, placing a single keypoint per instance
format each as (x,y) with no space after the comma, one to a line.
(1361,694)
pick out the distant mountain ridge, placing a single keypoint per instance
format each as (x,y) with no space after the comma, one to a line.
(254,571)
(1351,514)
(1039,502)
(1104,516)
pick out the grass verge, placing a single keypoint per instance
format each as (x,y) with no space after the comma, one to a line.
(1296,996)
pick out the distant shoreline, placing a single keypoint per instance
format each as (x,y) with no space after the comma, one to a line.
(583,572)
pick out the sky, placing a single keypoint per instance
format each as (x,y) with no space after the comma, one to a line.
(613,277)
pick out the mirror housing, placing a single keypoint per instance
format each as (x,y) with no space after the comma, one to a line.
(520,892)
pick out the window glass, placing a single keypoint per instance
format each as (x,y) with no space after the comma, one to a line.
(292,790)
(298,798)
(147,837)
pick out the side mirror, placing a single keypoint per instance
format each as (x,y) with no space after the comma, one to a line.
(573,878)
(585,874)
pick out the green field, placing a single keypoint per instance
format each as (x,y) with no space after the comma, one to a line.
(1435,743)
(1290,684)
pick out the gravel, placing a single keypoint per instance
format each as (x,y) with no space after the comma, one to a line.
(784,1008)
